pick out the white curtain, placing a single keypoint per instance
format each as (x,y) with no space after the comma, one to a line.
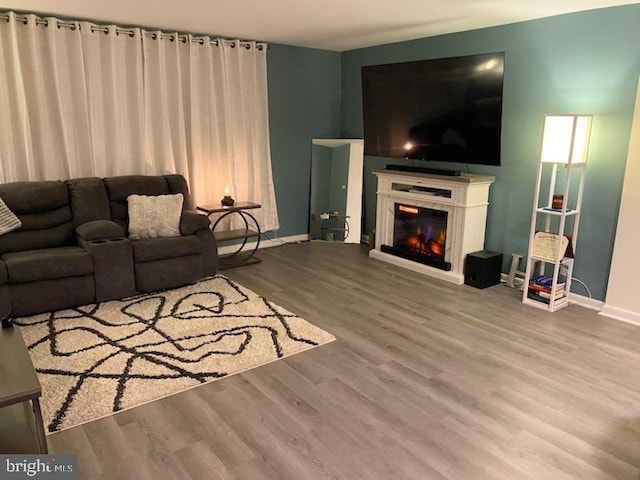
(79,99)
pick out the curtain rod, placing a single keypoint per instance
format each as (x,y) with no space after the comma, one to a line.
(182,37)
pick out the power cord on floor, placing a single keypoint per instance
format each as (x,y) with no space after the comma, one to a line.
(275,238)
(583,284)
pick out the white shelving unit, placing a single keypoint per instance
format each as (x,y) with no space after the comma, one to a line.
(566,178)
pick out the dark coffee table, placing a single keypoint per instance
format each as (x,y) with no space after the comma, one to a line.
(21,427)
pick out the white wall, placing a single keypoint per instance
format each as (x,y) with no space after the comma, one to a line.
(622,300)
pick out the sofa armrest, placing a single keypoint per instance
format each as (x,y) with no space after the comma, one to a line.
(112,256)
(113,272)
(192,221)
(99,230)
(5,297)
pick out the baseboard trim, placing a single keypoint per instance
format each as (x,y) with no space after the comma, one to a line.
(585,301)
(621,314)
(264,243)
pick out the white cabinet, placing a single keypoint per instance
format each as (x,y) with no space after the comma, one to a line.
(463,198)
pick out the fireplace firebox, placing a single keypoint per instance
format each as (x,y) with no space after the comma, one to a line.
(419,234)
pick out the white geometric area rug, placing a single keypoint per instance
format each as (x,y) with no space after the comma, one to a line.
(95,360)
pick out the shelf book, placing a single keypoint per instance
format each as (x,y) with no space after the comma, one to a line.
(540,288)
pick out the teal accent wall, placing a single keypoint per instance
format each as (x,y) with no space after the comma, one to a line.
(587,62)
(304,103)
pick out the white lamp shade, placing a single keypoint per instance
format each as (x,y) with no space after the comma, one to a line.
(565,138)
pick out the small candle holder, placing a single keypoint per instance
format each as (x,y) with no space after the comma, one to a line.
(227,200)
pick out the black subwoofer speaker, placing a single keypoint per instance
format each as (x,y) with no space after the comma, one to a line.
(482,269)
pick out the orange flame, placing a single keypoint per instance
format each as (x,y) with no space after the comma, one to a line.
(404,208)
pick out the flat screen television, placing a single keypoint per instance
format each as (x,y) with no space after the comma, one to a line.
(447,109)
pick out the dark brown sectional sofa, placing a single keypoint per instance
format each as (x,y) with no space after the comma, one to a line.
(73,247)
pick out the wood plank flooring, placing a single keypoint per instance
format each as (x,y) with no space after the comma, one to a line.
(426,381)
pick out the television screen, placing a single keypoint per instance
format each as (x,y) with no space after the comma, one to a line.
(447,109)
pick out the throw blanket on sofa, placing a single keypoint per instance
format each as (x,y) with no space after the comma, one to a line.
(8,221)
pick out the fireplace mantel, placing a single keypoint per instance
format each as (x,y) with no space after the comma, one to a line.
(465,198)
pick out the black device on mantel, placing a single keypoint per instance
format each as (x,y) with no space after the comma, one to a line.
(432,171)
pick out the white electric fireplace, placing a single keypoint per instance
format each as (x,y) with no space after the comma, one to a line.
(428,223)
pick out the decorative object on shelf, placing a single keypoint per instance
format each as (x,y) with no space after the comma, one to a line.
(554,224)
(227,200)
(557,202)
(545,246)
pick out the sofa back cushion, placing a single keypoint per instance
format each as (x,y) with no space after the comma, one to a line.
(45,213)
(89,200)
(178,184)
(119,189)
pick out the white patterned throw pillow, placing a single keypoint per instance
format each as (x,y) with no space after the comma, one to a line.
(154,216)
(8,221)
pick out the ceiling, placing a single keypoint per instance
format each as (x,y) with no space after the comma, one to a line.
(337,25)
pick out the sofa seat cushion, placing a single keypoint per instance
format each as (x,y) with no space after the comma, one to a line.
(47,263)
(152,249)
(99,230)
